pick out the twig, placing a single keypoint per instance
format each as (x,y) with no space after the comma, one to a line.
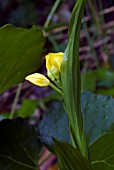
(52,13)
(15,101)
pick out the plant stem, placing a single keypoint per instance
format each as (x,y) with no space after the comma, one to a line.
(71,84)
(15,101)
(55,26)
(101,9)
(90,42)
(52,13)
(94,13)
(55,88)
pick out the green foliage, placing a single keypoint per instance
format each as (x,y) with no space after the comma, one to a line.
(88,81)
(97,112)
(20,54)
(102,152)
(70,77)
(27,108)
(54,124)
(69,158)
(100,80)
(19,147)
(98,117)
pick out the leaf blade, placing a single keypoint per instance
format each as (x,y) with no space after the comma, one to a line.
(47,127)
(20,54)
(19,147)
(97,111)
(70,77)
(102,151)
(69,157)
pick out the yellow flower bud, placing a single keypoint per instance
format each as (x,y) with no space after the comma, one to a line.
(53,63)
(38,79)
(54,60)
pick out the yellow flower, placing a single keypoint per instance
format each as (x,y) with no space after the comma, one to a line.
(53,63)
(54,60)
(38,79)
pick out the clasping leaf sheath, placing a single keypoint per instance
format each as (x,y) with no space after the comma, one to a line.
(70,78)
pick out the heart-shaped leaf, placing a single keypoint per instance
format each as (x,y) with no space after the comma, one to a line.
(19,146)
(98,114)
(54,124)
(20,54)
(102,152)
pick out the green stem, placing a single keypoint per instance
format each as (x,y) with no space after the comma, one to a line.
(55,88)
(94,13)
(15,101)
(70,78)
(91,42)
(100,4)
(55,26)
(52,13)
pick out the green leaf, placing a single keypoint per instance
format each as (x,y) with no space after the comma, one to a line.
(105,75)
(98,117)
(69,158)
(54,124)
(88,81)
(19,146)
(70,77)
(96,79)
(20,54)
(27,108)
(102,152)
(76,16)
(97,112)
(105,91)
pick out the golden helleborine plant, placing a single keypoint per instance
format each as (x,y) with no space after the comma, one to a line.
(53,63)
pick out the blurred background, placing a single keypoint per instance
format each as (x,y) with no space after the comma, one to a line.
(96,53)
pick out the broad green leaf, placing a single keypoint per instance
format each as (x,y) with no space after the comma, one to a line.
(69,158)
(20,54)
(27,108)
(98,114)
(19,146)
(102,152)
(54,124)
(70,77)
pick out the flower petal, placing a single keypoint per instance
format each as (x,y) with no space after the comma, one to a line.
(38,79)
(54,59)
